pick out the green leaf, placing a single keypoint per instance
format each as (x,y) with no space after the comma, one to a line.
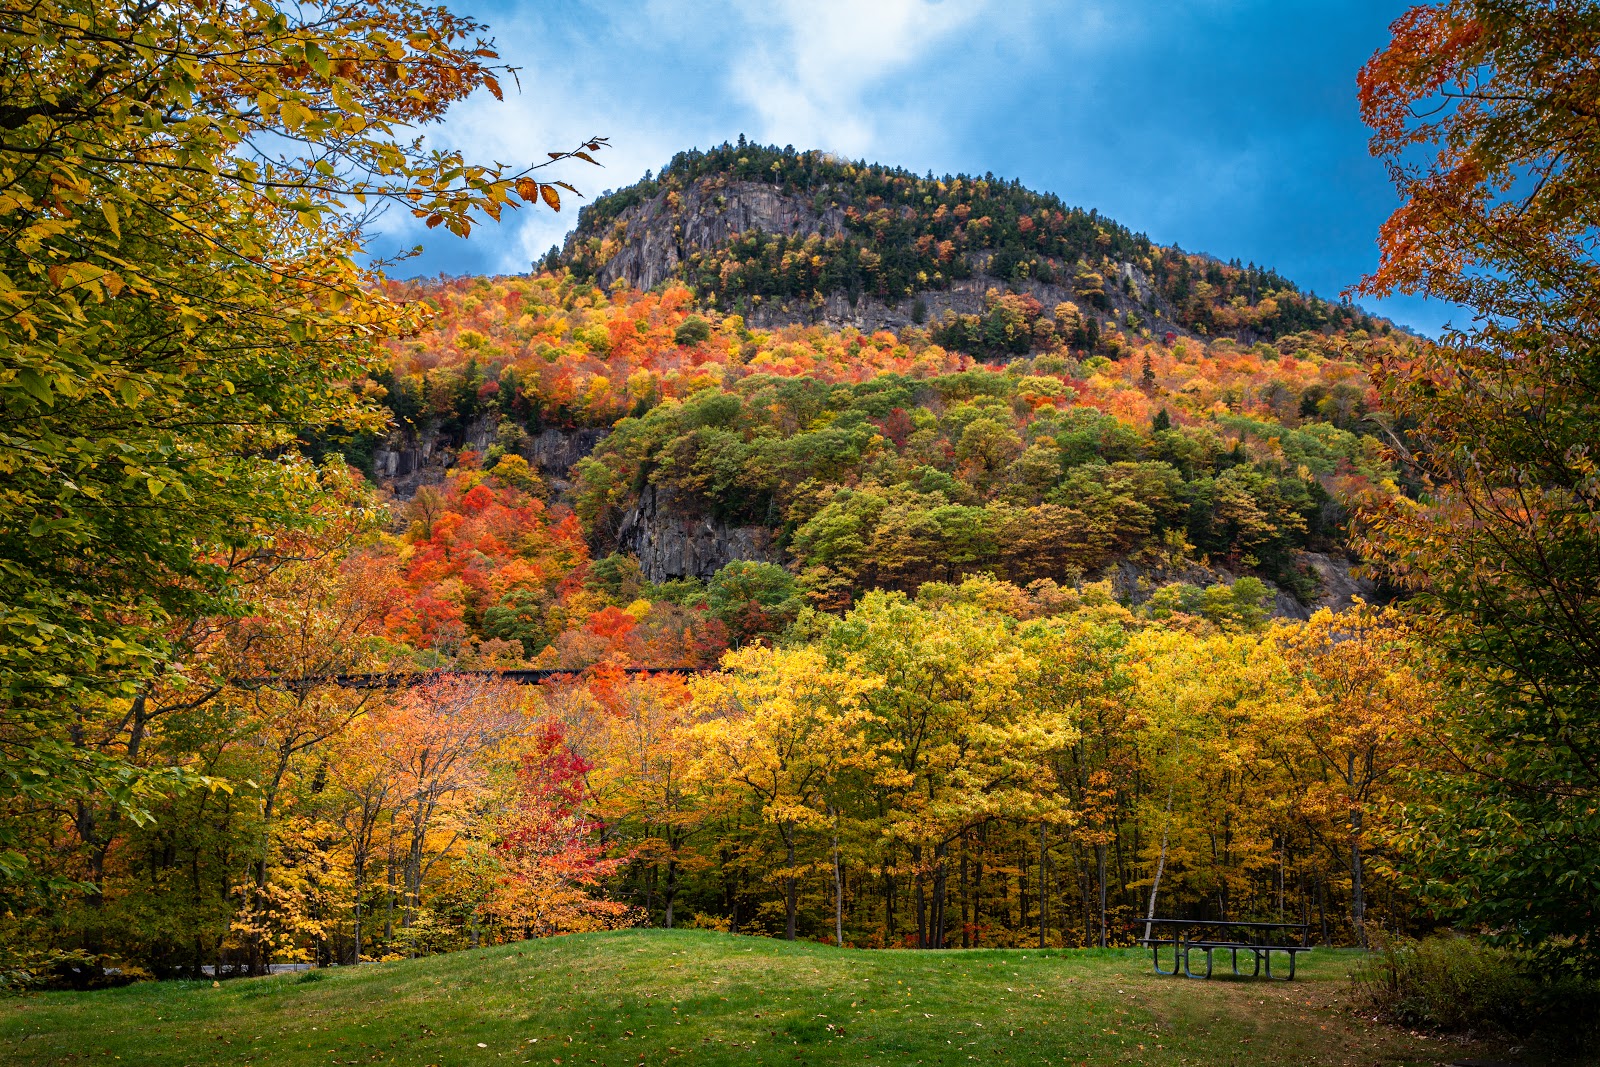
(36,385)
(317,59)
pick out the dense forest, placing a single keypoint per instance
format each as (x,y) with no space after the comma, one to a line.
(1168,454)
(1016,627)
(939,516)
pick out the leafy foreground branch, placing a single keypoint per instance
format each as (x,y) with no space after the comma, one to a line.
(1503,547)
(184,196)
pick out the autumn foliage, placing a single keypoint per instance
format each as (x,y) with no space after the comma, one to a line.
(1033,654)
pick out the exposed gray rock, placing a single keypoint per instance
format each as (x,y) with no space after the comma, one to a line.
(964,296)
(673,543)
(1339,585)
(660,233)
(408,459)
(657,235)
(555,452)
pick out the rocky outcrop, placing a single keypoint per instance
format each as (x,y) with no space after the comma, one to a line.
(1338,584)
(555,452)
(670,542)
(656,236)
(408,459)
(964,296)
(660,233)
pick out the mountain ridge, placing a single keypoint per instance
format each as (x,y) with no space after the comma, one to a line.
(782,237)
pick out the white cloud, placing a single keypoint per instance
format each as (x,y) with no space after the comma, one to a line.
(809,72)
(568,88)
(847,75)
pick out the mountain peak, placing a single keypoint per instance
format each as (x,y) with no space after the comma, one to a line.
(782,236)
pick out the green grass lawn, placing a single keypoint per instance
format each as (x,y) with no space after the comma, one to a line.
(691,997)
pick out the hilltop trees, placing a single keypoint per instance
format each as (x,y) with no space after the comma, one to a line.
(887,233)
(1503,547)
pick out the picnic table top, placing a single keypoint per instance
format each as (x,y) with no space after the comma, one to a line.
(1220,933)
(1220,922)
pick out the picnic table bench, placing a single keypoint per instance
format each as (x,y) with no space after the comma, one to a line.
(1209,936)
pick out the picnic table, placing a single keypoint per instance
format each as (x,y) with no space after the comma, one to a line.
(1257,940)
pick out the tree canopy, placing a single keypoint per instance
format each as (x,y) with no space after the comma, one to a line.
(1487,113)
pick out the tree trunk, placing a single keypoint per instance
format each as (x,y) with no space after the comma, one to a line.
(838,887)
(791,885)
(671,894)
(966,920)
(888,904)
(1358,898)
(1022,893)
(1161,866)
(921,898)
(1100,853)
(1042,884)
(1085,894)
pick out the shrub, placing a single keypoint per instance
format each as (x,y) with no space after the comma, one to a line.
(693,331)
(1456,983)
(752,598)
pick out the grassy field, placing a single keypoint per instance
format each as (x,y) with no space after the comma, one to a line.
(660,997)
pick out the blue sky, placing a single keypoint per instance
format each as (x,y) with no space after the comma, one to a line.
(1224,126)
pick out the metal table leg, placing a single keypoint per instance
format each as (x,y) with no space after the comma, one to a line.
(1155,953)
(1189,973)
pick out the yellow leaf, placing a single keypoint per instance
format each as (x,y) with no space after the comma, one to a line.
(293,114)
(551,197)
(110,212)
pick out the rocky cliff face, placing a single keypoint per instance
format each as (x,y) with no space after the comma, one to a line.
(408,459)
(660,233)
(554,453)
(670,542)
(964,296)
(1339,586)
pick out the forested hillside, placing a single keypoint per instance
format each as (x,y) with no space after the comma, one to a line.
(887,459)
(986,609)
(809,549)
